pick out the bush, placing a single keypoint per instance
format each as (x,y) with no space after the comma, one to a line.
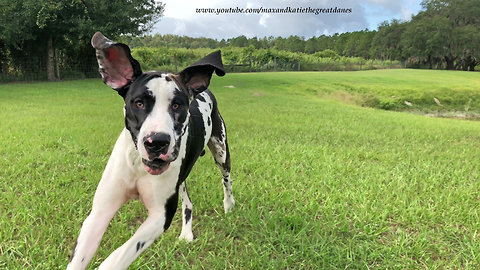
(327,54)
(246,59)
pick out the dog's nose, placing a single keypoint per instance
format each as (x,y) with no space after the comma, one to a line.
(156,143)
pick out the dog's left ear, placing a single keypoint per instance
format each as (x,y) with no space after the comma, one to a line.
(116,64)
(196,77)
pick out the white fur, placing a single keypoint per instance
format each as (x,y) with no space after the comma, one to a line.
(125,178)
(159,119)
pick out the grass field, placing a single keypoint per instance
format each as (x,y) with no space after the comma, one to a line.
(318,183)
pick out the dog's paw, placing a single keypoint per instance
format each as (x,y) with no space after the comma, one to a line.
(229,205)
(187,237)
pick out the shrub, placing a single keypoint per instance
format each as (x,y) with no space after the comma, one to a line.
(175,59)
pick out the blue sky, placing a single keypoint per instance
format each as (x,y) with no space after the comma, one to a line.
(181,18)
(379,11)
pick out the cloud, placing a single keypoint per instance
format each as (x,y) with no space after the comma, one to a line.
(406,13)
(377,11)
(263,20)
(181,17)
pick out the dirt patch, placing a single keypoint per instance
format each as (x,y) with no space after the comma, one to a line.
(344,97)
(366,101)
(455,115)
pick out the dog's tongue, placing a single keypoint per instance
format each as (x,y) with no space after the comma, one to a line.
(150,170)
(155,171)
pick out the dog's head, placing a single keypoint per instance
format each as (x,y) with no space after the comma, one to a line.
(156,104)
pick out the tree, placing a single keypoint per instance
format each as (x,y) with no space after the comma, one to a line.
(312,45)
(365,43)
(448,29)
(240,41)
(339,42)
(358,43)
(420,40)
(292,44)
(69,24)
(386,43)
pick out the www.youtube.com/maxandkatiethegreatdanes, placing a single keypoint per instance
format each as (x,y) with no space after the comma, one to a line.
(286,10)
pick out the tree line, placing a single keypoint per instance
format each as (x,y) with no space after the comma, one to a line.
(444,35)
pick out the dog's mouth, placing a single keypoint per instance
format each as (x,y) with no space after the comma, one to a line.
(156,166)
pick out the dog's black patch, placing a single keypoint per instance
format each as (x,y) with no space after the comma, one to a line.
(140,245)
(195,142)
(170,209)
(188,214)
(181,113)
(200,98)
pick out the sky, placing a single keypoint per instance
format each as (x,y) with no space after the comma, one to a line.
(182,17)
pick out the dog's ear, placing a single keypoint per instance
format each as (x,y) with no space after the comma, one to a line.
(116,64)
(196,77)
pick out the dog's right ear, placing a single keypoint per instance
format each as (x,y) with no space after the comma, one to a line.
(196,77)
(116,64)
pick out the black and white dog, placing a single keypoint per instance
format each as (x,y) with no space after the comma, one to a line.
(169,119)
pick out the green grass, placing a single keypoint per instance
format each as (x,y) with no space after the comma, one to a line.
(389,89)
(318,183)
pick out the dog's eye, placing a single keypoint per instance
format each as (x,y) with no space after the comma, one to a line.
(175,106)
(139,104)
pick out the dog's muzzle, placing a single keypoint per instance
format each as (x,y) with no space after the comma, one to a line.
(157,146)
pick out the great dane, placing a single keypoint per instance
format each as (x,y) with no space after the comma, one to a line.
(169,119)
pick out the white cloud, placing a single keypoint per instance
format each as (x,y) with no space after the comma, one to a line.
(180,27)
(263,20)
(406,13)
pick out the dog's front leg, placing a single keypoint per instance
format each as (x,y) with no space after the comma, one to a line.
(109,197)
(187,209)
(160,197)
(89,239)
(148,232)
(105,205)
